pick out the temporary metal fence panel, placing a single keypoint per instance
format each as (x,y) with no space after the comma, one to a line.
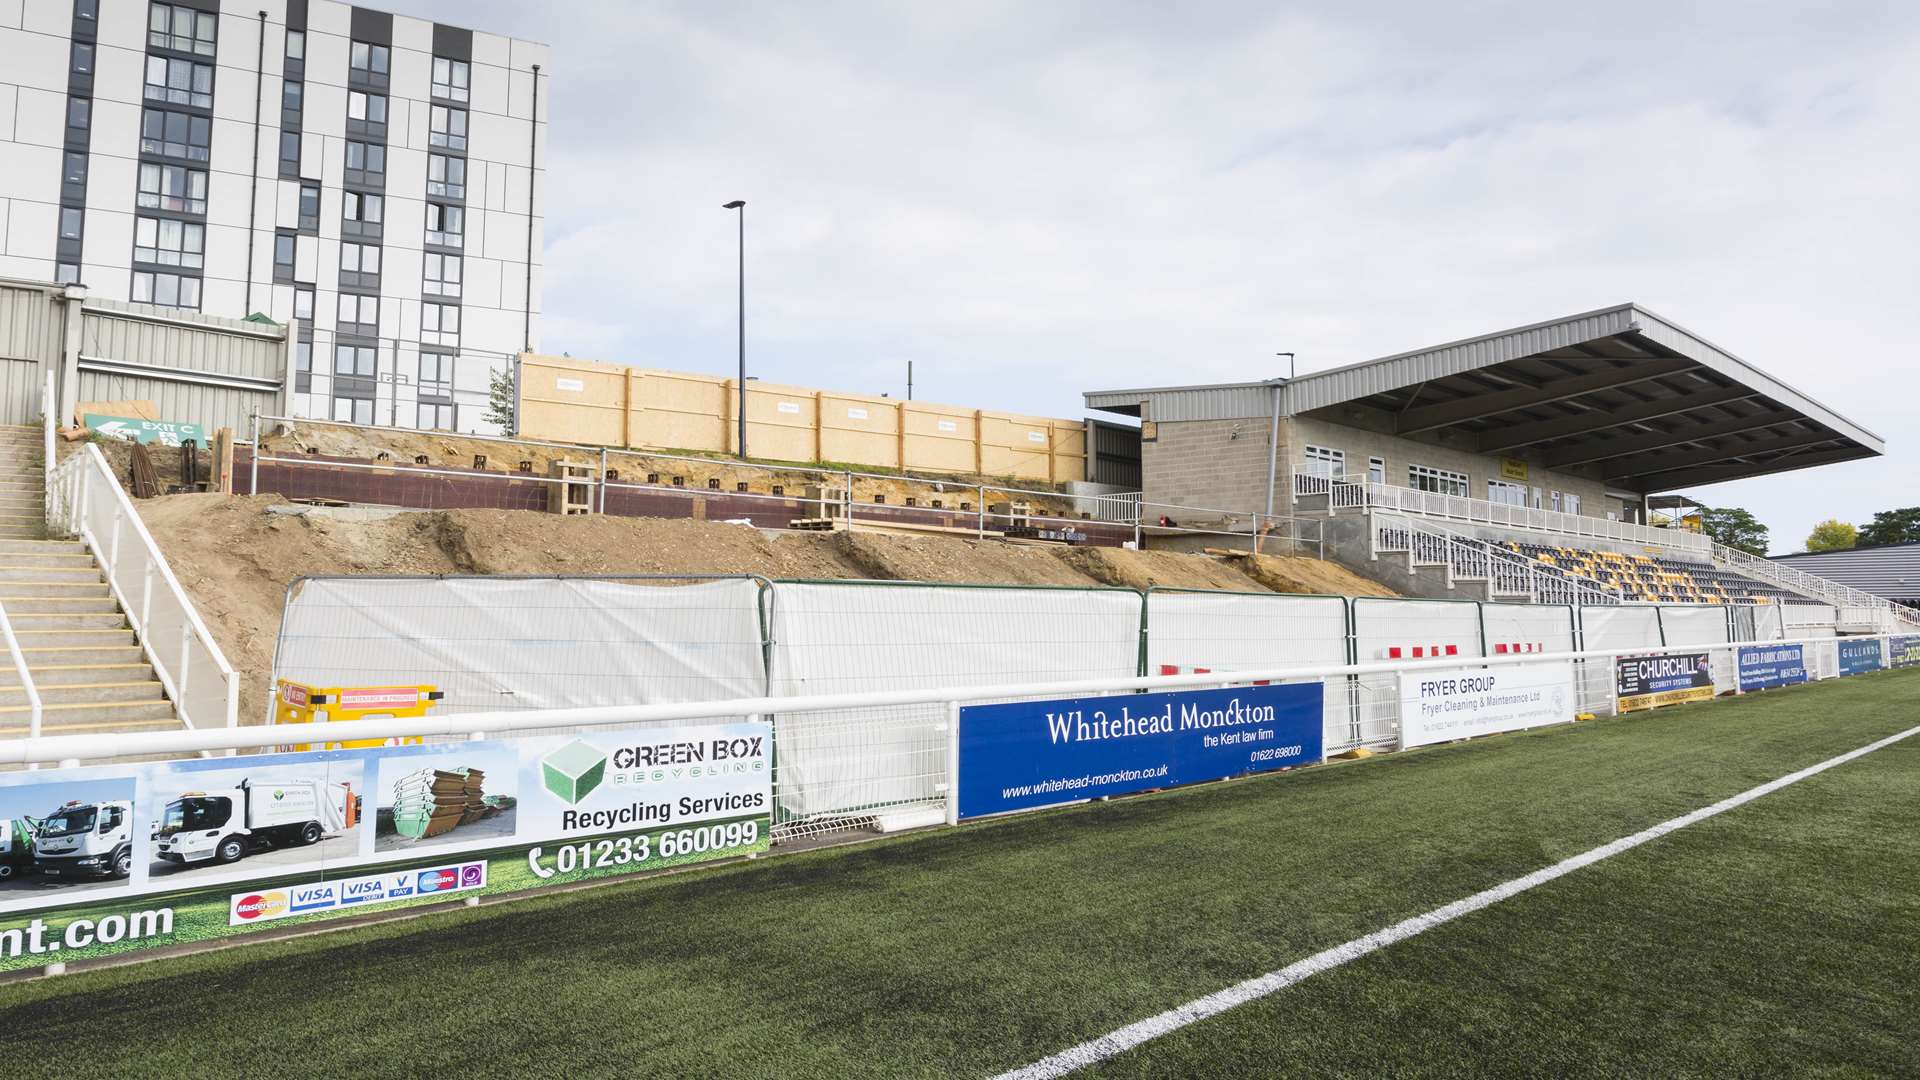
(1809,620)
(1702,624)
(1767,623)
(1190,632)
(502,643)
(846,768)
(1387,630)
(1626,626)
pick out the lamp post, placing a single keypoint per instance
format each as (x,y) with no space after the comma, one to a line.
(741,395)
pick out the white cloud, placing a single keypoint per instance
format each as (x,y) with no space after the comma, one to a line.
(1034,200)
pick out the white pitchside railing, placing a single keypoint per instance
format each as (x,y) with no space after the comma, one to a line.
(1365,495)
(88,502)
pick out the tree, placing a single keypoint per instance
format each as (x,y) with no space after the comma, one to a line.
(501,398)
(1832,535)
(1892,527)
(1737,529)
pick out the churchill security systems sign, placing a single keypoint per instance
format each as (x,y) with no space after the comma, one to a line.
(1437,706)
(1029,754)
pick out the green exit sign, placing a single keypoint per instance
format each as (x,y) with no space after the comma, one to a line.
(133,429)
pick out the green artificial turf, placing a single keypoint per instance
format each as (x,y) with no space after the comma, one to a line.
(968,951)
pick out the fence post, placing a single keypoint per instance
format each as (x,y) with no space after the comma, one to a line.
(186,656)
(1255,546)
(253,459)
(847,498)
(953,763)
(981,508)
(603,480)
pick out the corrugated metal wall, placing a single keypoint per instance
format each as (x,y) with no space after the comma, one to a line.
(31,323)
(196,369)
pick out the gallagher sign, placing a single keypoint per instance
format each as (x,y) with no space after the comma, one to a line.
(1648,682)
(1437,706)
(1765,667)
(1030,754)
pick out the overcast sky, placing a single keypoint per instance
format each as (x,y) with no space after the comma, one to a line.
(1033,199)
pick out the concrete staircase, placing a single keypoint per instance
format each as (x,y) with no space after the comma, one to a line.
(85,662)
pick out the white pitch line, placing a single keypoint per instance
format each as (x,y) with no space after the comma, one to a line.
(1134,1034)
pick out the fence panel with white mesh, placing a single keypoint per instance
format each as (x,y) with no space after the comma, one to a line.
(1627,626)
(887,767)
(499,643)
(1703,624)
(1189,632)
(1385,629)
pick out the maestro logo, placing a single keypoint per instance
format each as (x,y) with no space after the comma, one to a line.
(573,771)
(439,880)
(254,906)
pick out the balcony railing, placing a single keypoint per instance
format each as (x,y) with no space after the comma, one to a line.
(1363,495)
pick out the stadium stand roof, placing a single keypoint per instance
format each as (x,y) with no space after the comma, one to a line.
(1892,571)
(1653,405)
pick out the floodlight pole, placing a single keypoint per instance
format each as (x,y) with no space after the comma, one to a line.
(741,393)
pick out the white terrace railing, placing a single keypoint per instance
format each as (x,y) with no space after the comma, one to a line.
(89,503)
(1472,559)
(1368,495)
(1865,606)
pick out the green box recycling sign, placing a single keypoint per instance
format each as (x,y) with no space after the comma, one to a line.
(134,429)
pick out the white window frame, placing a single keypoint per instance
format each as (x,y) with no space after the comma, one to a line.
(1326,462)
(1506,493)
(1440,481)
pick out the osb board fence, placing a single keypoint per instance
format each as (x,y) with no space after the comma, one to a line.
(597,404)
(447,487)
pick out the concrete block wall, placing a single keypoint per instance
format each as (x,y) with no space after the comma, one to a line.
(1217,464)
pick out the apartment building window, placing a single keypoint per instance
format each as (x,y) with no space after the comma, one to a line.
(168,242)
(1422,478)
(67,273)
(450,79)
(371,108)
(82,58)
(442,275)
(283,248)
(290,95)
(296,44)
(353,410)
(180,135)
(303,309)
(172,187)
(446,176)
(368,57)
(361,311)
(181,29)
(76,171)
(360,266)
(79,113)
(1506,494)
(86,9)
(361,214)
(289,153)
(302,362)
(439,324)
(71,220)
(446,225)
(166,290)
(179,82)
(310,207)
(354,361)
(436,416)
(366,164)
(435,375)
(447,127)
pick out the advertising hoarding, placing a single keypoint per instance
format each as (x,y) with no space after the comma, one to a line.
(1648,682)
(1860,655)
(128,857)
(1766,667)
(1029,754)
(1903,650)
(1459,703)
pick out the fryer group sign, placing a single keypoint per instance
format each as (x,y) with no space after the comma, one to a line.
(1043,753)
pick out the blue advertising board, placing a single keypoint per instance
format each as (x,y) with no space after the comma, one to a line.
(1903,650)
(1764,667)
(1028,754)
(1859,655)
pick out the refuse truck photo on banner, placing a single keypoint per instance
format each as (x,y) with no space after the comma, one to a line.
(1030,754)
(1648,682)
(116,858)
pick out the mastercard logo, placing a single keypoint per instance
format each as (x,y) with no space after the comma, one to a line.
(260,905)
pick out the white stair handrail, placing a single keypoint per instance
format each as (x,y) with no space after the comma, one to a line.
(34,708)
(1796,580)
(103,534)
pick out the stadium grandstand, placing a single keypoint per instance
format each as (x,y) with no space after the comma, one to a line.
(1891,571)
(1520,464)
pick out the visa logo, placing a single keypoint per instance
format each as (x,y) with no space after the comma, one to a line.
(362,890)
(313,897)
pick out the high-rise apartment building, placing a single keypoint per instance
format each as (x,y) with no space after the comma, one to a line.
(371,179)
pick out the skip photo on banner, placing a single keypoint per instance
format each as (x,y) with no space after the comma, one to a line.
(1459,703)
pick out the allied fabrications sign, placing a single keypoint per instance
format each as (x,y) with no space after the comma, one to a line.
(1648,682)
(1459,703)
(1903,650)
(123,858)
(1765,667)
(1029,754)
(1859,655)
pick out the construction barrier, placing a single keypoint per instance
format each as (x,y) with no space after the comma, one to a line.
(298,703)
